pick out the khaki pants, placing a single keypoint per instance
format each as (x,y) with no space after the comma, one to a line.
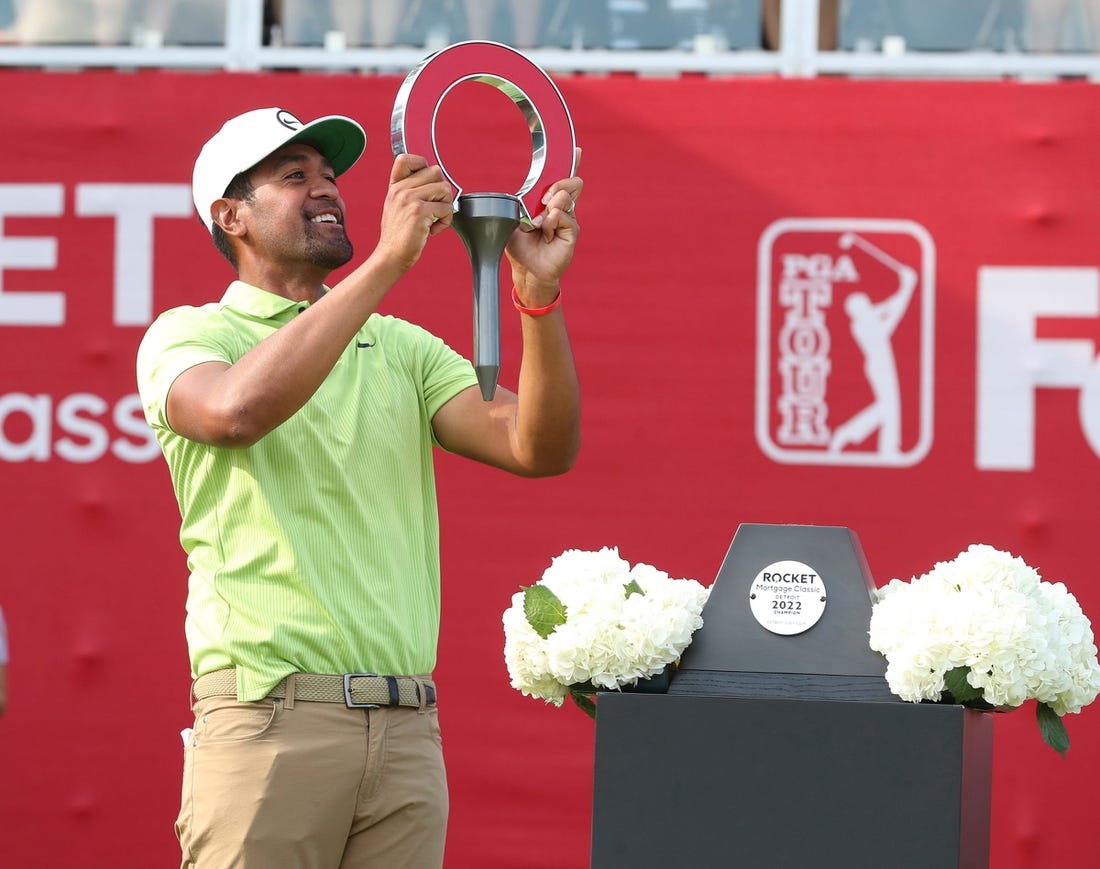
(278,784)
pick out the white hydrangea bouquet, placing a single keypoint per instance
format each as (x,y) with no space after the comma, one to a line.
(985,631)
(594,622)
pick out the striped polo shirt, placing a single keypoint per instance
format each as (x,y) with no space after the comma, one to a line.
(317,549)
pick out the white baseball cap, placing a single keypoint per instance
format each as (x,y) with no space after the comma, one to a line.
(245,140)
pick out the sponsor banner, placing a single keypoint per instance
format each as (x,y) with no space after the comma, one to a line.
(846,303)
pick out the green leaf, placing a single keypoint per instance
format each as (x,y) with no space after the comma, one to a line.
(543,609)
(632,587)
(961,690)
(584,700)
(1052,729)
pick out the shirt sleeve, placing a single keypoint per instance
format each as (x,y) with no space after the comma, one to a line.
(177,340)
(445,373)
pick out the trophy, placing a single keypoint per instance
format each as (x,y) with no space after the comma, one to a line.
(485,221)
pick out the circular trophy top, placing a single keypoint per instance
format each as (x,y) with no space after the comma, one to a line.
(553,141)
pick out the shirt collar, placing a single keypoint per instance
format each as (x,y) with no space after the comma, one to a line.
(259,303)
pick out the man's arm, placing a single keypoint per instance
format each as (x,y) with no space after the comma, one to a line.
(536,432)
(236,405)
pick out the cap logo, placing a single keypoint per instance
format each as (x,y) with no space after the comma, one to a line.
(288,120)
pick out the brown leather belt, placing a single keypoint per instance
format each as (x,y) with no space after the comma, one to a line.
(354,690)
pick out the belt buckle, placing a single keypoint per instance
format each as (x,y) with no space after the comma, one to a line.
(347,692)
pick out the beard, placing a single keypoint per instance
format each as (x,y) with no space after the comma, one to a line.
(327,249)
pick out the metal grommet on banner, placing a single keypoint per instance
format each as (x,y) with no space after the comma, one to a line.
(553,140)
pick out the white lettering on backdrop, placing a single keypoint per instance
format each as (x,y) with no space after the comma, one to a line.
(1013,362)
(81,427)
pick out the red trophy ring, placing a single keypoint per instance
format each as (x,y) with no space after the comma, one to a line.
(484,221)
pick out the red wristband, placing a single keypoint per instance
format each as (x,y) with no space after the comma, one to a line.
(535,312)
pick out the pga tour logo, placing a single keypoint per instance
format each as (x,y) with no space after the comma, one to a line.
(844,340)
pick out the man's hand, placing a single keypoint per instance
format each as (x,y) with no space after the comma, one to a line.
(419,204)
(540,254)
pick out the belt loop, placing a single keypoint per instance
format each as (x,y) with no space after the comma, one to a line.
(421,693)
(288,701)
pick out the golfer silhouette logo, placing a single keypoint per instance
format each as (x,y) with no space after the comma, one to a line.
(844,341)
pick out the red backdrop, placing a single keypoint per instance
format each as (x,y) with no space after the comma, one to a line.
(709,205)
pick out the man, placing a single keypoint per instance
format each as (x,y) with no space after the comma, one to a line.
(298,425)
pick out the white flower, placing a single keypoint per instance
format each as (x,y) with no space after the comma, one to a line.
(622,624)
(1021,638)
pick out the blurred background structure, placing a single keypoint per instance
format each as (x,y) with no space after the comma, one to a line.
(797,38)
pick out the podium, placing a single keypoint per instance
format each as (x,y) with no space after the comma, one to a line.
(778,744)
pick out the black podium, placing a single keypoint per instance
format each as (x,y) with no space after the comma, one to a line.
(778,745)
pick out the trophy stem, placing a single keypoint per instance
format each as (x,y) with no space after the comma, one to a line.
(484,222)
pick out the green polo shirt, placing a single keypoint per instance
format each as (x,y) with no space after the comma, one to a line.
(317,549)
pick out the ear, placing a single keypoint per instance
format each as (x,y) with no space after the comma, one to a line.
(226,214)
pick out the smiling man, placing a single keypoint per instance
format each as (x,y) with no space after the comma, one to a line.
(298,426)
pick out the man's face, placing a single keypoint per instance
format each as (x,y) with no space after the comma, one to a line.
(296,213)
